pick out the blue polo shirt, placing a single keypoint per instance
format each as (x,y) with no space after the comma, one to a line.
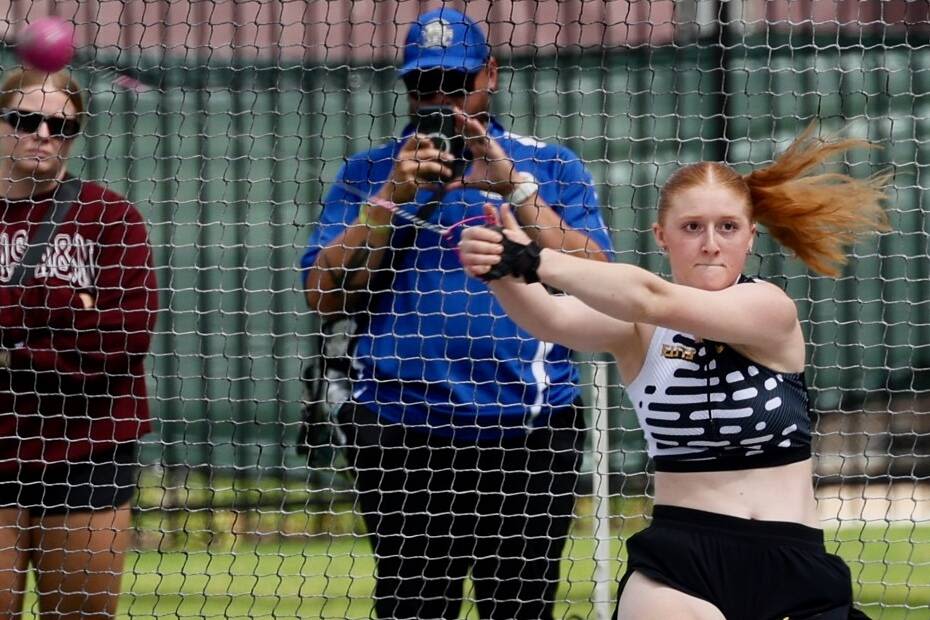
(438,352)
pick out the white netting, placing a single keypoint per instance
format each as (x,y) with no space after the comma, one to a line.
(226,123)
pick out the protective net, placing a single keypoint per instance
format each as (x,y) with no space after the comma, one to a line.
(231,124)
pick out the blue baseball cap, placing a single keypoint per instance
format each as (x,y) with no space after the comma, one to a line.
(445,39)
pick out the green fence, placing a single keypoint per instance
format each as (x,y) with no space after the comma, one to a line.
(228,164)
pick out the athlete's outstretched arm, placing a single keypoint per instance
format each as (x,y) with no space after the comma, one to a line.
(560,318)
(551,318)
(757,315)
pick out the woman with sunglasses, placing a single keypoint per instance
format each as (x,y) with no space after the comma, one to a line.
(713,363)
(75,325)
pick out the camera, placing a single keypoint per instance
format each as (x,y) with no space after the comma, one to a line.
(438,124)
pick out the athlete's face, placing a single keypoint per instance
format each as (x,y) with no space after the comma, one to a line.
(37,148)
(707,233)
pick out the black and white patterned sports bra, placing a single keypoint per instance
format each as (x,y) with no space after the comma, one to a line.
(705,407)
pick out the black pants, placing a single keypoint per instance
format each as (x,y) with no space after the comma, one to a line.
(750,570)
(436,510)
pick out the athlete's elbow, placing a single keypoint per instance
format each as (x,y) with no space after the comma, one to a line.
(646,304)
(538,330)
(571,336)
(543,329)
(555,337)
(557,330)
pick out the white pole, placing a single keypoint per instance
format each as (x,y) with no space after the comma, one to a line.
(603,580)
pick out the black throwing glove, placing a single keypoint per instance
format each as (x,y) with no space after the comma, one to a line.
(517,260)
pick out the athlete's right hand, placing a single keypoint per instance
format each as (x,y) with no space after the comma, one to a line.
(419,165)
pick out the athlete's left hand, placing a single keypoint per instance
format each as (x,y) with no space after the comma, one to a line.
(481,247)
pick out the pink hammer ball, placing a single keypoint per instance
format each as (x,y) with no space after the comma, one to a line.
(46,44)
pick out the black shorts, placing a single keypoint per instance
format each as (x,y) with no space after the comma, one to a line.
(102,481)
(748,569)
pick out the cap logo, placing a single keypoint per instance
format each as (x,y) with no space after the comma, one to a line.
(437,33)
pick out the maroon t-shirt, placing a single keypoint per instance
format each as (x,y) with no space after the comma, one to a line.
(76,378)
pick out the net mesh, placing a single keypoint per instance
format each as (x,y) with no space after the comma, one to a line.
(226,123)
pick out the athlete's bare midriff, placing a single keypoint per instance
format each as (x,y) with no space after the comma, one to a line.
(783,493)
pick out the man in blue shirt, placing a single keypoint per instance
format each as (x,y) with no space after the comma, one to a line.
(463,431)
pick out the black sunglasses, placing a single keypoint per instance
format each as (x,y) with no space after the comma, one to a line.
(29,122)
(426,84)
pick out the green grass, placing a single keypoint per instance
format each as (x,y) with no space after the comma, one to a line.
(890,567)
(330,577)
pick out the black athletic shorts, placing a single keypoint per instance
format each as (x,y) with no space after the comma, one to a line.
(102,481)
(748,569)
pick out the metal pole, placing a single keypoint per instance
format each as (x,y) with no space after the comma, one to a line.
(603,579)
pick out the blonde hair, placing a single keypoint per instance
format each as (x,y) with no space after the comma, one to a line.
(19,79)
(816,217)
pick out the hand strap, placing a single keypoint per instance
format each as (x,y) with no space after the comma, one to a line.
(521,261)
(65,195)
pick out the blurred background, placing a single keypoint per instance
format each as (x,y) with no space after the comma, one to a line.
(224,121)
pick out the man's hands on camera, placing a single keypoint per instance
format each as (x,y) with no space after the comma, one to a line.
(492,169)
(420,164)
